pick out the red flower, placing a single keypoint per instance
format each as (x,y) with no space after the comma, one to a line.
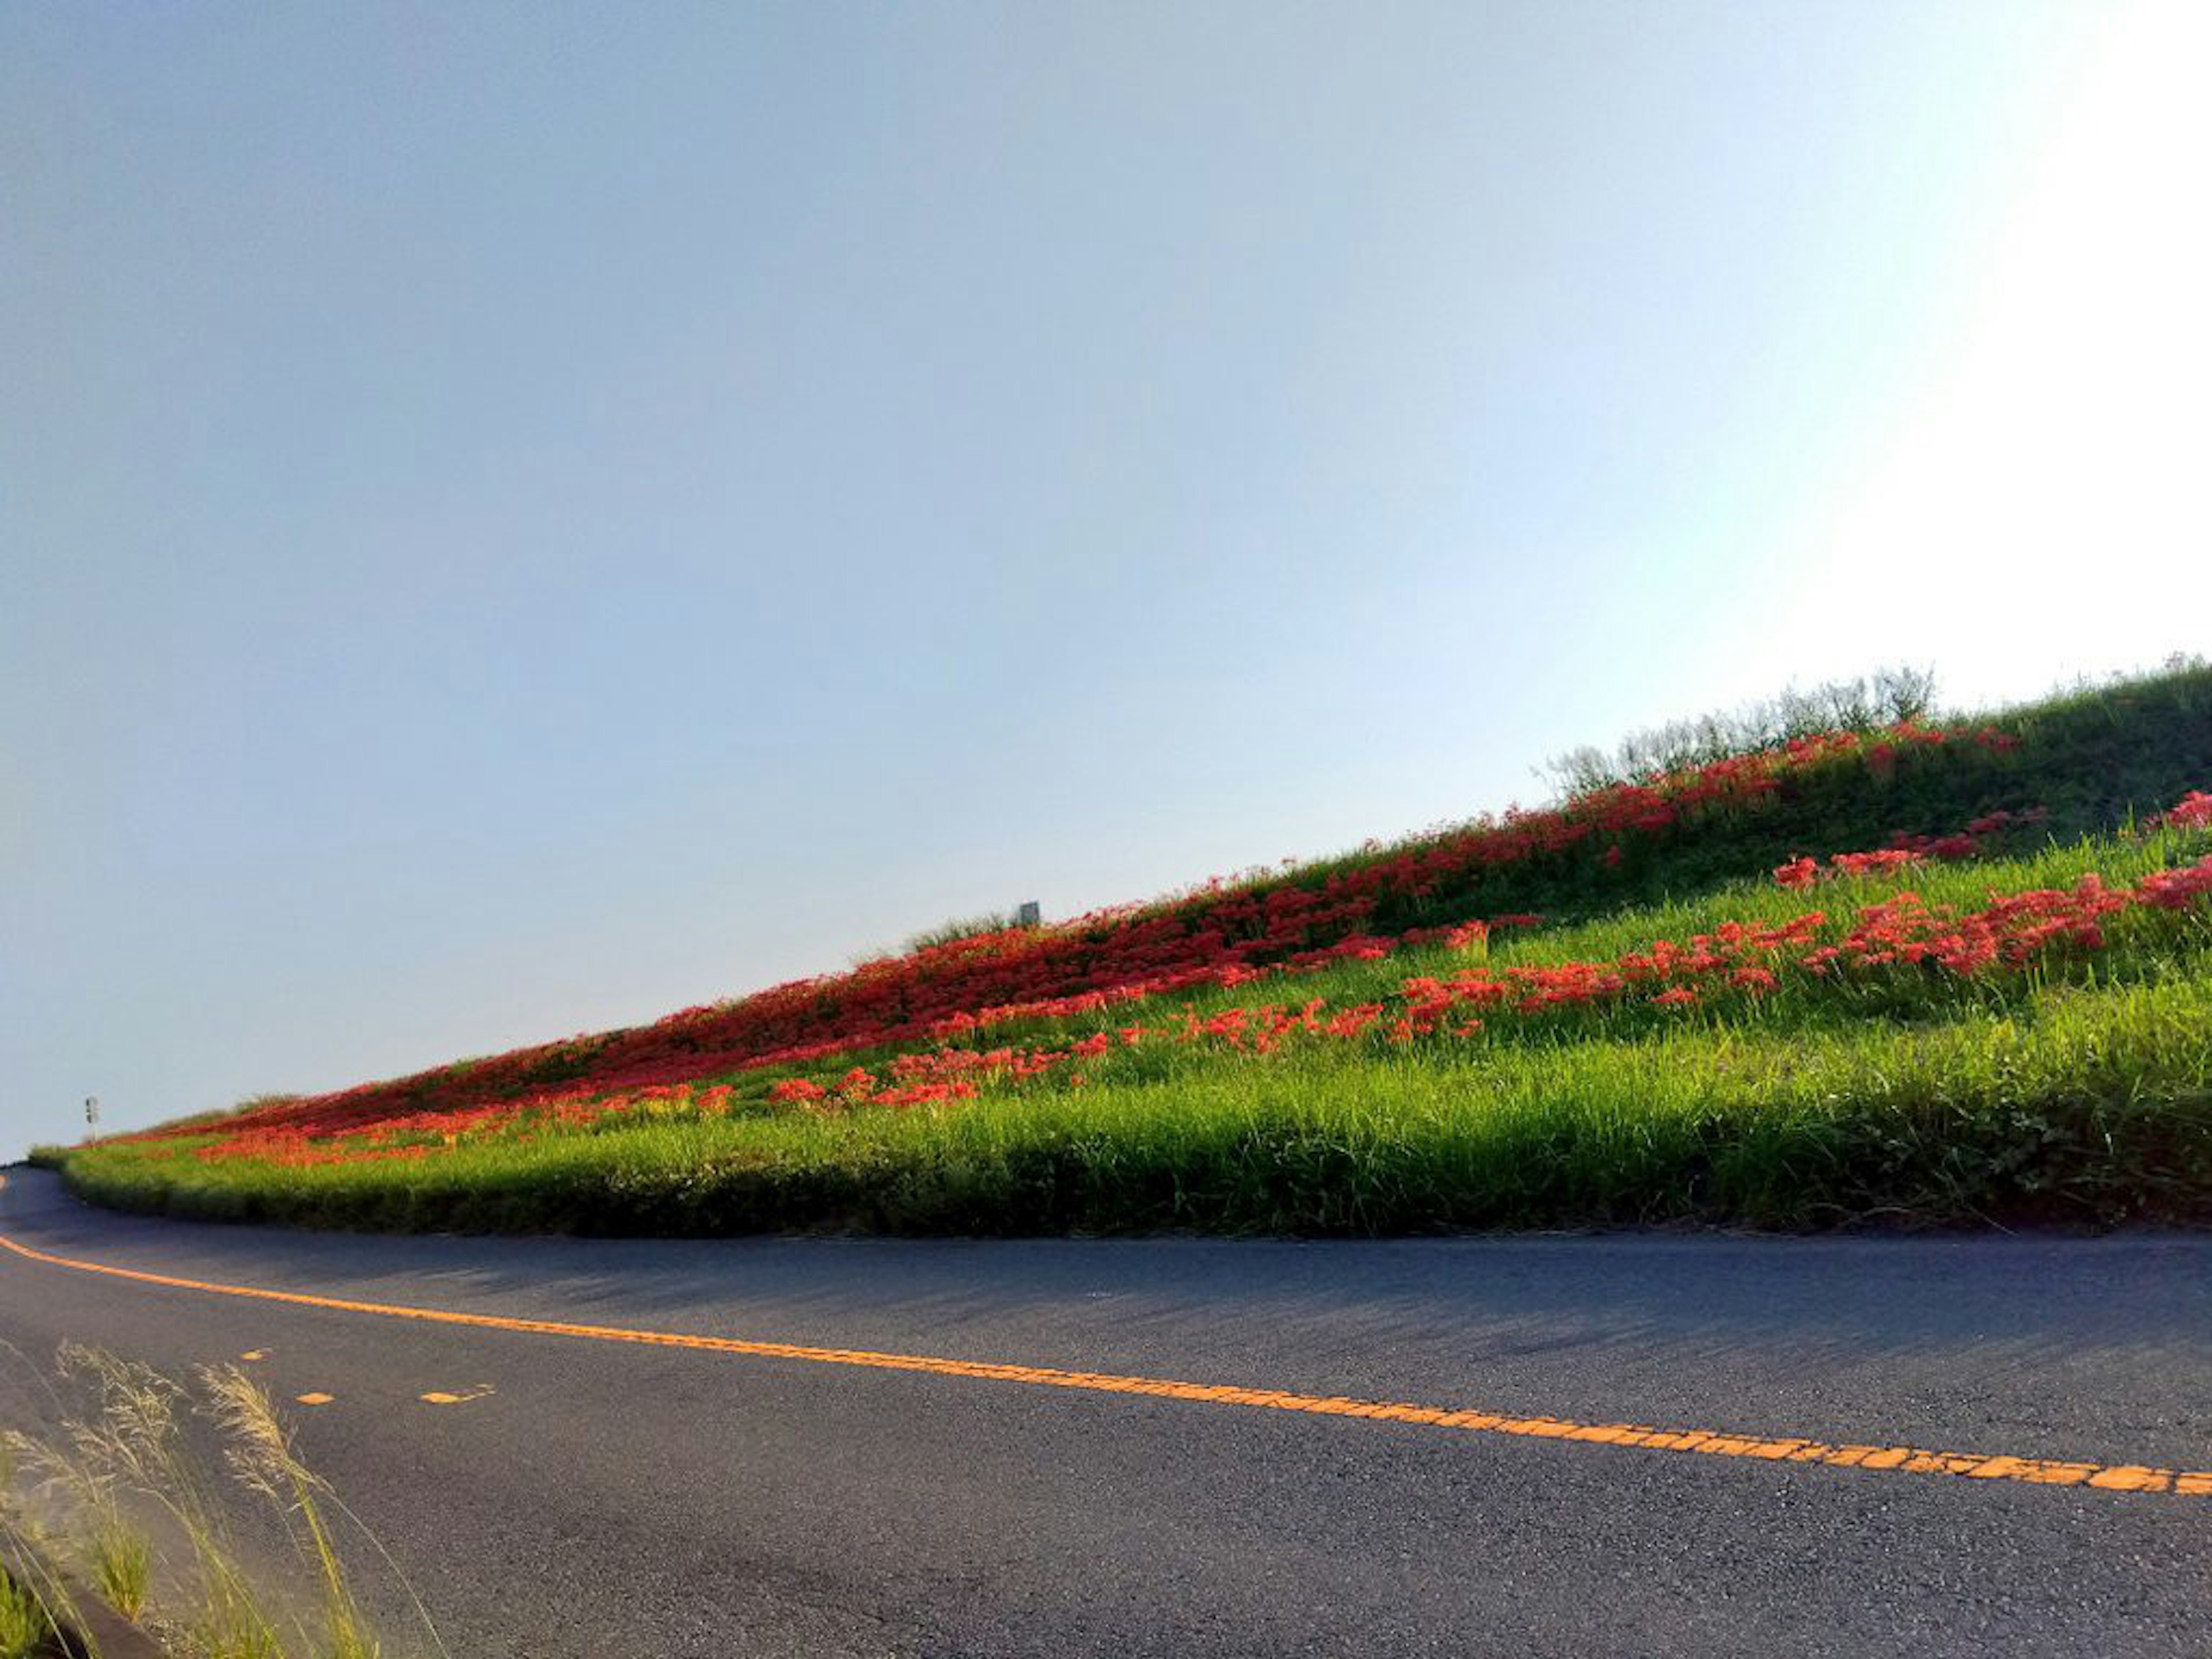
(1882,863)
(2192,811)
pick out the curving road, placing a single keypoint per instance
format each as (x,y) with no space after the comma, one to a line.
(828,1447)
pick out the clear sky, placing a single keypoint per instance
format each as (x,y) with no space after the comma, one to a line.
(515,520)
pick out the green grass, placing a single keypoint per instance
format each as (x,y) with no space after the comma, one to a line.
(2072,1092)
(24,1627)
(2079,1107)
(2078,1093)
(122,1563)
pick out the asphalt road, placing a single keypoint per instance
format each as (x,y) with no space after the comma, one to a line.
(588,1498)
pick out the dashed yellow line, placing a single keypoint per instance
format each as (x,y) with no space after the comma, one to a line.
(2031,1471)
(448,1397)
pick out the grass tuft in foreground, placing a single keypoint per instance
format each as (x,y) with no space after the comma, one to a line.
(120,1485)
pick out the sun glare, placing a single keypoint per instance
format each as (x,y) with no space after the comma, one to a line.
(2061,438)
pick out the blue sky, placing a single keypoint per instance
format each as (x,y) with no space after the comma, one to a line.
(513,522)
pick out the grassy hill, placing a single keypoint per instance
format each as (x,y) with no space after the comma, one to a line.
(1933,973)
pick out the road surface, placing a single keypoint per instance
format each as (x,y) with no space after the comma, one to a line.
(868,1447)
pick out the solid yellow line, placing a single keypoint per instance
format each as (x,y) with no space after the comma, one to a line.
(2106,1477)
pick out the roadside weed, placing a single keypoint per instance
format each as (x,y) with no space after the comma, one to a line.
(143,1449)
(122,1565)
(260,1455)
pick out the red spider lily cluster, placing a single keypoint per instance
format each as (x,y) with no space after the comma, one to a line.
(1906,849)
(1739,960)
(2192,811)
(2010,931)
(1219,935)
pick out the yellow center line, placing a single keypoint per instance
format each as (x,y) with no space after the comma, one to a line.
(2032,1471)
(448,1397)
